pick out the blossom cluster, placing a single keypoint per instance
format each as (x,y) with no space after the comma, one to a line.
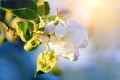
(66,38)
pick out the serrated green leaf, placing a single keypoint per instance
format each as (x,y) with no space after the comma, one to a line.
(25,25)
(45,62)
(22,36)
(22,26)
(47,8)
(25,29)
(17,4)
(25,13)
(43,8)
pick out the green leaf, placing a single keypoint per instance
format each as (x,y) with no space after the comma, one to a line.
(47,8)
(52,18)
(25,29)
(43,8)
(17,4)
(25,25)
(40,2)
(25,13)
(22,26)
(45,62)
(35,1)
(2,14)
(56,71)
(41,11)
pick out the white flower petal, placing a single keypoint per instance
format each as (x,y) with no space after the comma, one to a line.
(44,38)
(72,56)
(52,43)
(77,35)
(50,27)
(65,13)
(60,30)
(61,48)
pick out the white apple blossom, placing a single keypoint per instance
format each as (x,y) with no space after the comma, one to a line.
(50,27)
(67,38)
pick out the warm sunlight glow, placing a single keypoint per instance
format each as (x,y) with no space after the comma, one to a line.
(93,1)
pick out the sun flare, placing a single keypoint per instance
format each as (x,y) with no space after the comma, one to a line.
(93,1)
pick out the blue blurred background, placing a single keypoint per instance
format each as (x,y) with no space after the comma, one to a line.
(16,64)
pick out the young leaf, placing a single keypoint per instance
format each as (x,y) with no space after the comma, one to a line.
(56,71)
(25,13)
(47,8)
(22,36)
(40,2)
(24,30)
(43,8)
(25,25)
(45,62)
(51,18)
